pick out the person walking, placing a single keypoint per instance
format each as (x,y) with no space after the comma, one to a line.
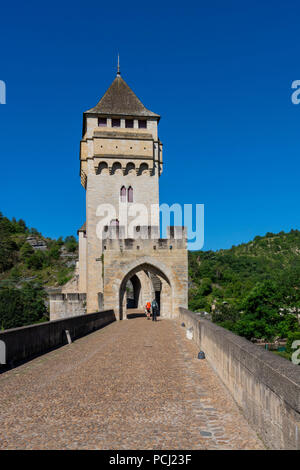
(154,310)
(148,310)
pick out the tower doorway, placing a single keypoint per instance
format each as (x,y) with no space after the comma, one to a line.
(133,291)
(141,285)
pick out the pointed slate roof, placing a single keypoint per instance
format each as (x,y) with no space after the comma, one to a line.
(83,228)
(119,99)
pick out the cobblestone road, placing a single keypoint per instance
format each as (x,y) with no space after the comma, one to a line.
(132,385)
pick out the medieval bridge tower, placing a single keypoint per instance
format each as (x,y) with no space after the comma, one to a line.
(123,262)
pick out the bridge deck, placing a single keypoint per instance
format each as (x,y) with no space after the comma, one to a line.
(133,385)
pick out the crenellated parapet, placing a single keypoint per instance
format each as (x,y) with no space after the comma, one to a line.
(144,238)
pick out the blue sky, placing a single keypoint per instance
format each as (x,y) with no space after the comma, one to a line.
(220,75)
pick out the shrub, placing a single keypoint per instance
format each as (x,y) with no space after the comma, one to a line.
(293,336)
(63,276)
(26,251)
(54,252)
(36,260)
(71,244)
(19,307)
(8,254)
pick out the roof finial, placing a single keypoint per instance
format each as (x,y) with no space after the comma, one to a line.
(118,72)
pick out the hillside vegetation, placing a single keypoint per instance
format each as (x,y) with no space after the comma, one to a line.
(26,271)
(252,289)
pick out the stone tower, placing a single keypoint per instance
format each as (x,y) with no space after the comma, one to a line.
(120,166)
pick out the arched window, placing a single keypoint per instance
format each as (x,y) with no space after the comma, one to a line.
(130,168)
(114,228)
(116,168)
(130,194)
(102,168)
(143,170)
(114,223)
(123,194)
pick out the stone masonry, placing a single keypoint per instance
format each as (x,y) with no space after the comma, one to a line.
(79,396)
(120,165)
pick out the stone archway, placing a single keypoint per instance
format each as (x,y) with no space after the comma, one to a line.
(143,272)
(133,291)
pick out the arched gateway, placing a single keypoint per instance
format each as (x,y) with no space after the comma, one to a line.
(147,293)
(151,272)
(120,166)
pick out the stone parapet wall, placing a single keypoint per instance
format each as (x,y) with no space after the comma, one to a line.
(65,305)
(265,386)
(143,245)
(144,238)
(29,341)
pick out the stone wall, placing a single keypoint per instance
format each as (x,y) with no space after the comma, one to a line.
(111,158)
(105,189)
(265,386)
(65,305)
(166,258)
(30,341)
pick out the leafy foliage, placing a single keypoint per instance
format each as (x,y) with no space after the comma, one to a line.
(252,289)
(25,272)
(71,243)
(20,307)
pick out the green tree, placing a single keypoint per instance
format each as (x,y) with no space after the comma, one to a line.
(71,243)
(260,316)
(8,254)
(21,226)
(205,287)
(36,261)
(292,336)
(54,252)
(225,313)
(19,307)
(26,251)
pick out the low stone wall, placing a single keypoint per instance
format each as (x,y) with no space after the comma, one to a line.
(26,342)
(265,386)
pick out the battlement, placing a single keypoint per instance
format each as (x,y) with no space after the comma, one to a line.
(144,238)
